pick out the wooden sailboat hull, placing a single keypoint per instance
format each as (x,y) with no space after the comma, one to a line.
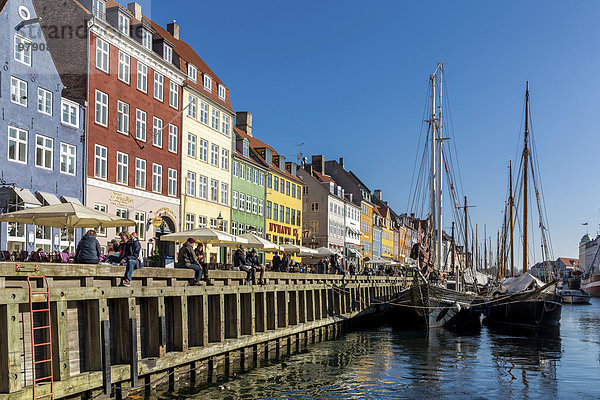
(591,284)
(524,314)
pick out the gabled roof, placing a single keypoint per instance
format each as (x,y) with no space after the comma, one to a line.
(569,262)
(359,181)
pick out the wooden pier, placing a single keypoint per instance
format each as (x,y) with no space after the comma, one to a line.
(109,340)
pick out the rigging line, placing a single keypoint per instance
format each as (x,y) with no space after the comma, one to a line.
(420,179)
(453,135)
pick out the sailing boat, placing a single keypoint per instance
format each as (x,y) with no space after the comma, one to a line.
(525,301)
(429,303)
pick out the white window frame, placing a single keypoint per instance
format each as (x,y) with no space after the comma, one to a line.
(104,208)
(203,150)
(72,110)
(242,205)
(192,145)
(47,152)
(248,203)
(172,184)
(174,95)
(190,184)
(101,109)
(192,111)
(235,169)
(167,53)
(173,138)
(124,67)
(142,77)
(124,24)
(224,193)
(254,205)
(222,92)
(234,200)
(102,55)
(146,39)
(140,173)
(225,125)
(122,177)
(214,190)
(19,91)
(157,132)
(214,155)
(202,187)
(204,112)
(261,207)
(192,73)
(20,143)
(140,224)
(157,178)
(141,124)
(207,83)
(190,221)
(68,158)
(44,101)
(159,86)
(22,56)
(100,161)
(122,117)
(225,159)
(215,116)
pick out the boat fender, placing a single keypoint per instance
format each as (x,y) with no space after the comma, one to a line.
(457,306)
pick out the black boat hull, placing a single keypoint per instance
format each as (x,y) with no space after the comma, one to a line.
(524,314)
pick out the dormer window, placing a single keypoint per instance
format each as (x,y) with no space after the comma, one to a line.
(193,73)
(207,83)
(269,156)
(146,39)
(167,53)
(123,24)
(222,92)
(99,9)
(246,148)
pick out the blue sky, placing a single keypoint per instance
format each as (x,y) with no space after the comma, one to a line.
(349,78)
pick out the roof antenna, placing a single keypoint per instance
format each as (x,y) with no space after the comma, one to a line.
(299,154)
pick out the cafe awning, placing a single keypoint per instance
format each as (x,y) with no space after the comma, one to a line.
(49,198)
(27,197)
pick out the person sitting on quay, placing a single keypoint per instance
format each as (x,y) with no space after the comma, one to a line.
(239,261)
(88,249)
(200,256)
(186,258)
(276,262)
(129,253)
(257,267)
(335,263)
(285,263)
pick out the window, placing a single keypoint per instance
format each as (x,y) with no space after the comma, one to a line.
(224,193)
(44,101)
(269,179)
(293,217)
(249,173)
(124,67)
(222,92)
(235,168)
(294,190)
(190,221)
(172,182)
(215,119)
(248,203)
(174,95)
(298,193)
(207,83)
(192,72)
(157,124)
(275,212)
(123,24)
(314,226)
(98,9)
(17,145)
(261,179)
(167,53)
(18,91)
(191,145)
(122,168)
(298,219)
(214,155)
(202,187)
(234,200)
(190,184)
(157,178)
(122,117)
(102,55)
(22,50)
(121,213)
(43,152)
(140,125)
(314,207)
(140,173)
(70,113)
(201,221)
(68,157)
(214,190)
(242,202)
(260,231)
(225,159)
(146,39)
(246,148)
(287,215)
(234,228)
(254,205)
(140,224)
(101,207)
(268,210)
(282,186)
(203,150)
(142,77)
(225,125)
(193,107)
(159,86)
(276,184)
(287,188)
(100,164)
(261,207)
(172,138)
(101,108)
(204,112)
(255,173)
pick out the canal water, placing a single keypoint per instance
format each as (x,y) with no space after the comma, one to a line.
(382,363)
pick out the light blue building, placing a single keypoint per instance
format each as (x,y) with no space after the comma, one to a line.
(41,133)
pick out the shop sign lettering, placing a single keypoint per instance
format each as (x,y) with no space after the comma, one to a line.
(120,199)
(283,230)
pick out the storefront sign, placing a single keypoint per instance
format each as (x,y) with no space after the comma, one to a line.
(167,211)
(121,200)
(157,221)
(284,230)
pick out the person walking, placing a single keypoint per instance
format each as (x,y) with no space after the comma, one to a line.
(88,249)
(201,260)
(186,258)
(129,253)
(239,260)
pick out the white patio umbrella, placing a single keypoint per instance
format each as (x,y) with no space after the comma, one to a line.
(206,236)
(259,243)
(294,248)
(66,216)
(379,262)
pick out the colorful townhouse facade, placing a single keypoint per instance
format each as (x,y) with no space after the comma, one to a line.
(40,129)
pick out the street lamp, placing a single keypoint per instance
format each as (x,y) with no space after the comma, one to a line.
(220,222)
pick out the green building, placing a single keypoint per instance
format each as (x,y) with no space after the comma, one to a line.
(248,188)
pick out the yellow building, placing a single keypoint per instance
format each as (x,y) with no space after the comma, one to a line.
(283,208)
(207,146)
(366,228)
(387,235)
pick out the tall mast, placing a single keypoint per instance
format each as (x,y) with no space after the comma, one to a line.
(466,237)
(511,204)
(485,248)
(440,166)
(498,272)
(476,242)
(525,173)
(433,174)
(453,265)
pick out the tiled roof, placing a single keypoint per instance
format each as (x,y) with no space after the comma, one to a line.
(571,262)
(323,178)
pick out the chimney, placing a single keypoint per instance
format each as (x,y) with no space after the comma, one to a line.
(377,194)
(173,29)
(136,10)
(342,162)
(318,163)
(243,121)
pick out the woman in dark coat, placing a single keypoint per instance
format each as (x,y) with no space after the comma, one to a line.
(88,249)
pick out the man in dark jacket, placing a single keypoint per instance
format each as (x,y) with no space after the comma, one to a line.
(276,262)
(239,260)
(88,249)
(285,263)
(129,253)
(257,267)
(186,258)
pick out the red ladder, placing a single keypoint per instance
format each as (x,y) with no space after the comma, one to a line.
(41,342)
